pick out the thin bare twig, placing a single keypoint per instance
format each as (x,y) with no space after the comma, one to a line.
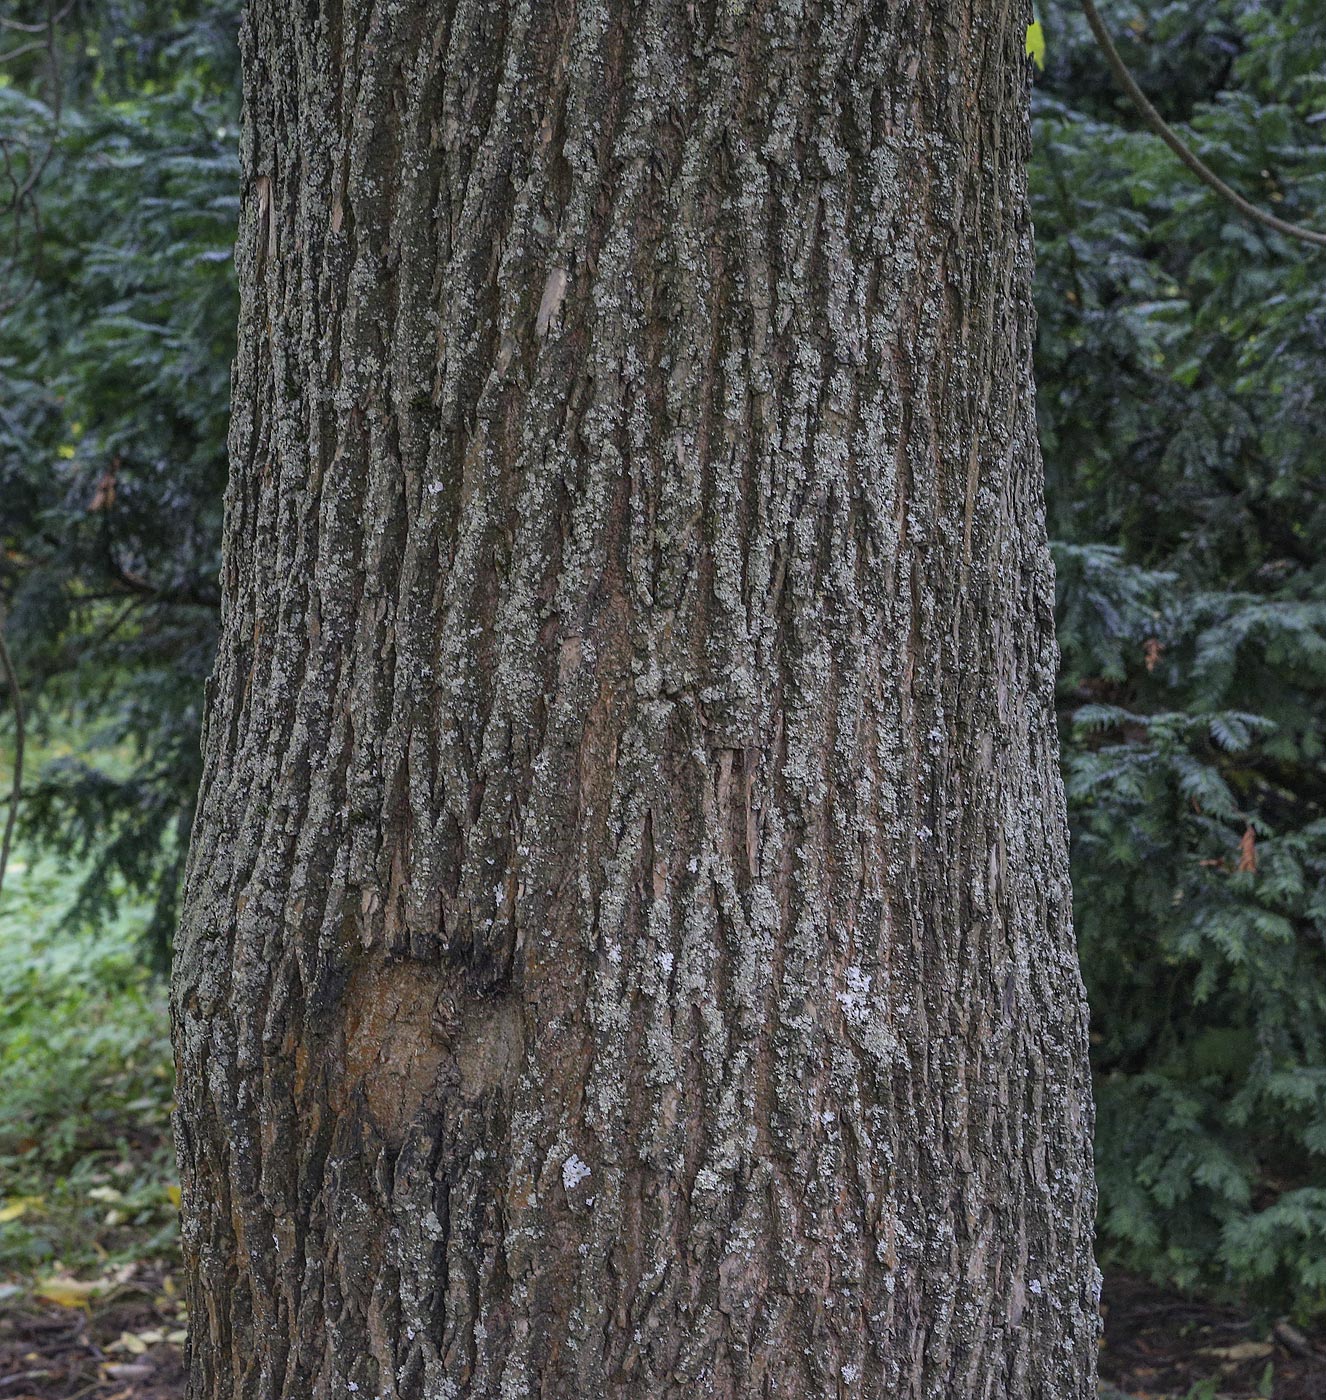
(16,695)
(1176,143)
(21,204)
(19,27)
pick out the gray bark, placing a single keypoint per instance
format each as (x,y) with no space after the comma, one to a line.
(627,945)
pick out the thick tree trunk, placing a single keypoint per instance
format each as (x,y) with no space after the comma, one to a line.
(627,947)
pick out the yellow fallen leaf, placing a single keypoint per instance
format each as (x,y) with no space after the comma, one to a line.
(69,1292)
(173,1196)
(135,1346)
(18,1206)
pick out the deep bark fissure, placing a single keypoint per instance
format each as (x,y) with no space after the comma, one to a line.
(626,946)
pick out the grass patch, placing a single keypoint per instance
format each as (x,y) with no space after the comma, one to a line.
(87,1178)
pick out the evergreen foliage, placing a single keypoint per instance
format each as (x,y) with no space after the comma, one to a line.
(114,369)
(1182,392)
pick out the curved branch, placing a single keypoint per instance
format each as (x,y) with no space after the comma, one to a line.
(1175,142)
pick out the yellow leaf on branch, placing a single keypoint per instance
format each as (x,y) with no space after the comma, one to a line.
(1036,44)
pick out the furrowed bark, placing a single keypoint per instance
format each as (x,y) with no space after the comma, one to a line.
(627,945)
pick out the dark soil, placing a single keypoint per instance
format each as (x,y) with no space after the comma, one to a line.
(1157,1344)
(48,1352)
(1161,1344)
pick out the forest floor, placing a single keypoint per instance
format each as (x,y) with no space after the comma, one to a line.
(125,1345)
(90,1305)
(1161,1344)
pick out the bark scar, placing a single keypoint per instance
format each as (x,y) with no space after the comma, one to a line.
(554,293)
(392,1052)
(266,221)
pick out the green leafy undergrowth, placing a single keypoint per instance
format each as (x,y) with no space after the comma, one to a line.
(86,1174)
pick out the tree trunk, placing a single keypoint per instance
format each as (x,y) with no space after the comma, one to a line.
(627,942)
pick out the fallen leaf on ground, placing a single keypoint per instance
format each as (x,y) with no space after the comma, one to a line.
(18,1206)
(1242,1351)
(127,1371)
(69,1292)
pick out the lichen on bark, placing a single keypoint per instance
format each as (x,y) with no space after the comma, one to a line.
(627,945)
